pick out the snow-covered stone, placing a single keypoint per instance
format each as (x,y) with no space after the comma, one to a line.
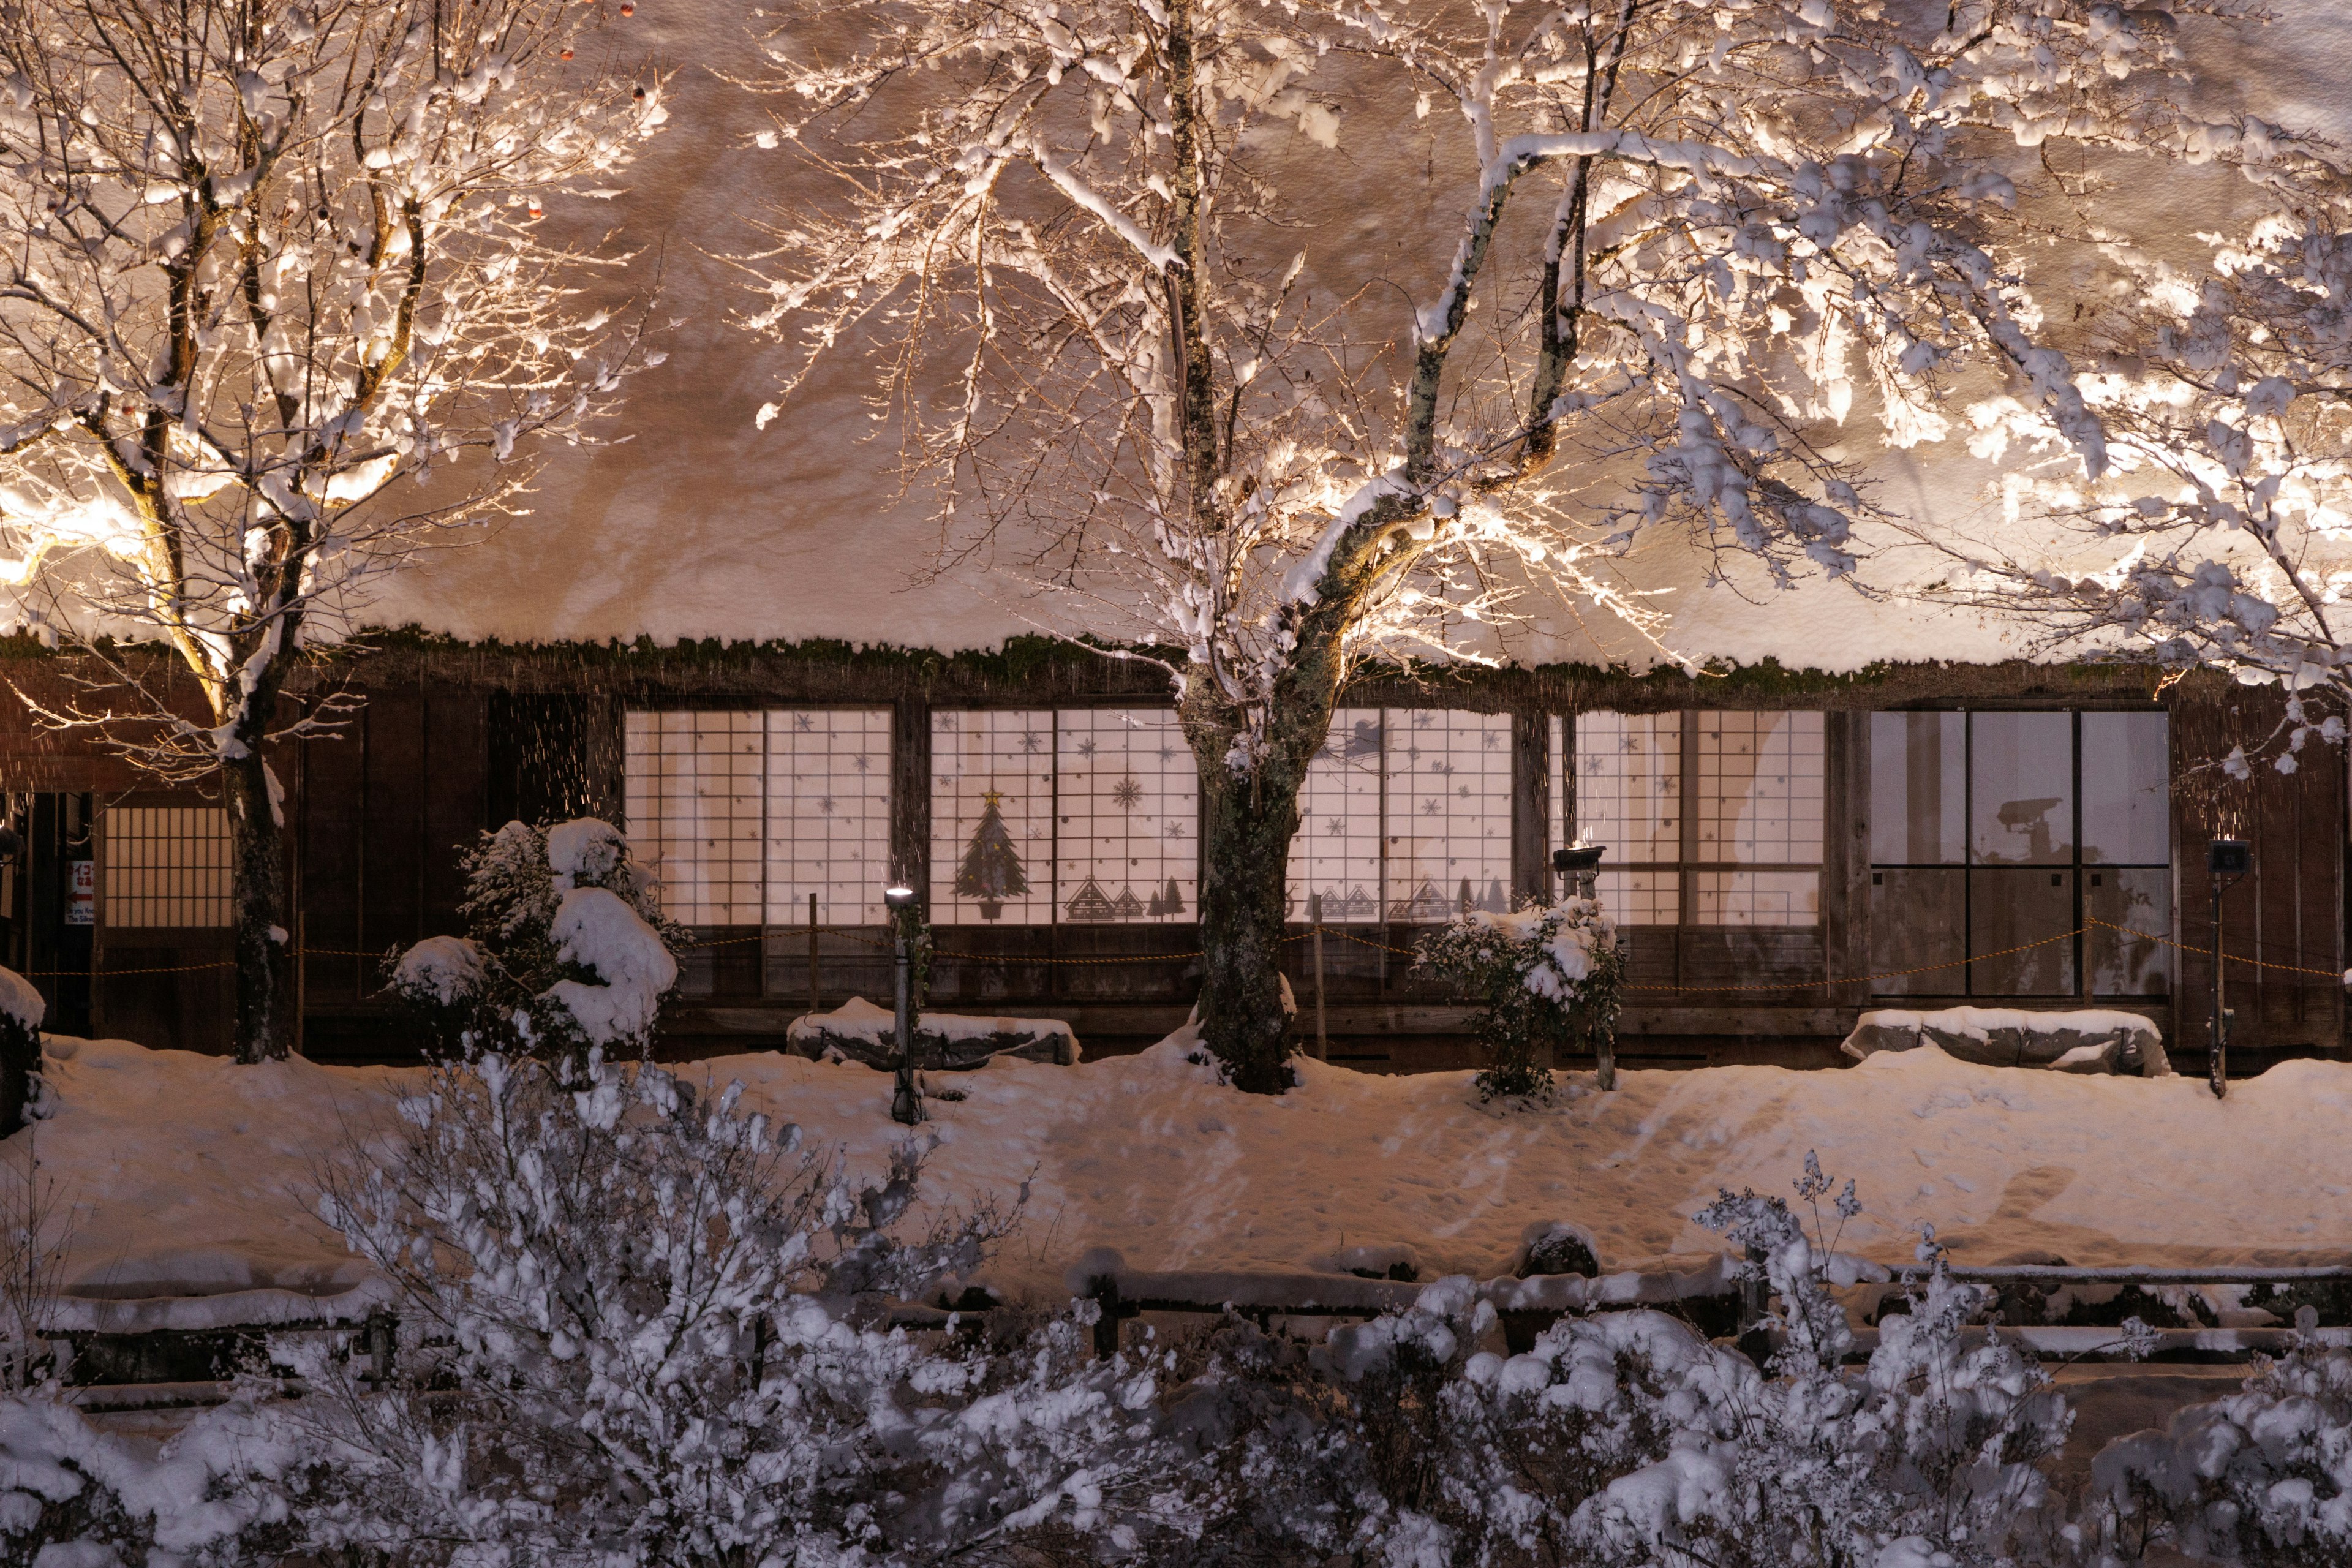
(859,1031)
(441,969)
(2081,1040)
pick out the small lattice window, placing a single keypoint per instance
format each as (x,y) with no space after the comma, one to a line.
(165,866)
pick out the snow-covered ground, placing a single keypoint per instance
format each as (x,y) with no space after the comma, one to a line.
(190,1175)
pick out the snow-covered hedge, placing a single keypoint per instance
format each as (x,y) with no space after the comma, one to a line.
(566,949)
(1548,979)
(2262,1477)
(637,1332)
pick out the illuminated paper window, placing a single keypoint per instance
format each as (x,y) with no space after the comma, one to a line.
(692,789)
(1128,812)
(1713,818)
(1629,799)
(744,813)
(1448,812)
(166,866)
(828,824)
(992,817)
(1337,852)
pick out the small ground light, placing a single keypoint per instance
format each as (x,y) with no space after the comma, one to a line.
(906,1105)
(2228,861)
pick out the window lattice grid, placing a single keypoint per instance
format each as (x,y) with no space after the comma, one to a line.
(1652,898)
(166,866)
(992,816)
(1449,812)
(692,789)
(1758,898)
(1629,785)
(1761,791)
(1337,852)
(828,821)
(1628,788)
(1128,811)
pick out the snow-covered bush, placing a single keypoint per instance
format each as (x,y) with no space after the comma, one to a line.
(1548,977)
(1928,1454)
(21,1011)
(73,1496)
(2262,1477)
(565,949)
(1626,1438)
(630,1333)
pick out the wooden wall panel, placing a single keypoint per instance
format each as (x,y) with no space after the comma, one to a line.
(394,850)
(455,763)
(2288,915)
(333,827)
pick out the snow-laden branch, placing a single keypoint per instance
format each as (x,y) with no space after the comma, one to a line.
(267,261)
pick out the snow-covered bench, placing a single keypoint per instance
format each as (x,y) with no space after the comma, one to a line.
(949,1042)
(2086,1040)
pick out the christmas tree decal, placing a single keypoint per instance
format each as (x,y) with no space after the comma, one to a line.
(992,868)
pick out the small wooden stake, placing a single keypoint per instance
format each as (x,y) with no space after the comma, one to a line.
(814,1006)
(1315,918)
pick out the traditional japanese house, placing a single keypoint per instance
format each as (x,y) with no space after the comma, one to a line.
(1786,849)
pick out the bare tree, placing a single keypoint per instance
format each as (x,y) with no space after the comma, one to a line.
(1692,235)
(261,260)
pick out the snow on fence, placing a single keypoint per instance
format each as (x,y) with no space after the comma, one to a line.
(177,1350)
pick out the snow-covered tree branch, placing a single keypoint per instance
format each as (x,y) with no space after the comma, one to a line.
(1676,246)
(263,260)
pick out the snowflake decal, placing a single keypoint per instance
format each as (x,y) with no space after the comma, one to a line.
(1127,794)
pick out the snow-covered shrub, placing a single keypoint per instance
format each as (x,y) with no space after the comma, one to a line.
(1928,1454)
(630,1334)
(1548,977)
(2262,1477)
(1626,1438)
(565,949)
(73,1496)
(21,1011)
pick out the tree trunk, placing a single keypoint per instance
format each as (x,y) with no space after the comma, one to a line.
(1247,823)
(265,947)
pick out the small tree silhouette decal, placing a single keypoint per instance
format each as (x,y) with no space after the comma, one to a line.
(991,870)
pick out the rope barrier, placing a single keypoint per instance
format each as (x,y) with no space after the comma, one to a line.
(1343,934)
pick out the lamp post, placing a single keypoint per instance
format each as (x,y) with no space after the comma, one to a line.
(906,1105)
(1581,863)
(2228,861)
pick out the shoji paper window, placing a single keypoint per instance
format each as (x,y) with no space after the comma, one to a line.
(1337,850)
(165,866)
(828,813)
(1449,812)
(1629,799)
(744,813)
(992,815)
(691,786)
(1128,815)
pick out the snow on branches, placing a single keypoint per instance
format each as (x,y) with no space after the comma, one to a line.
(1686,239)
(263,262)
(2222,536)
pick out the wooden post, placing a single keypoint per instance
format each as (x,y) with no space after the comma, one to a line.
(814,1006)
(1315,918)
